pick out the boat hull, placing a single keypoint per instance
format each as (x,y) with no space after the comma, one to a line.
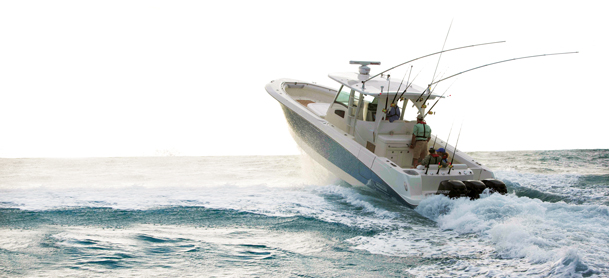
(333,156)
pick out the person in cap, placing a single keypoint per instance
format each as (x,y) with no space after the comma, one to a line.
(442,153)
(421,133)
(433,159)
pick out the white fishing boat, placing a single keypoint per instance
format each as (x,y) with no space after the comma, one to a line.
(353,133)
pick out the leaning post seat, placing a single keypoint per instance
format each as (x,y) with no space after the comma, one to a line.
(319,109)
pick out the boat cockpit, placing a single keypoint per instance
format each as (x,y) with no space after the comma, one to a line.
(373,112)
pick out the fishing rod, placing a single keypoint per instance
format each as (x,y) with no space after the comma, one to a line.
(431,92)
(533,56)
(474,45)
(427,167)
(429,112)
(450,167)
(424,91)
(440,57)
(451,130)
(410,84)
(434,105)
(388,86)
(428,89)
(429,162)
(402,82)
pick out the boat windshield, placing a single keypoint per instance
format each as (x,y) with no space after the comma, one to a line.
(370,104)
(343,97)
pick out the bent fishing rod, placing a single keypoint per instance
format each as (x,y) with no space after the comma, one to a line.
(508,60)
(364,82)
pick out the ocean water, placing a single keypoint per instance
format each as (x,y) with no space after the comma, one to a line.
(285,216)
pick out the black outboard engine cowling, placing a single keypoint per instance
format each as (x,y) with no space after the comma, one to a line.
(475,188)
(452,188)
(495,186)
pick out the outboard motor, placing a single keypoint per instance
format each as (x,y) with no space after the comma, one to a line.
(475,188)
(452,188)
(495,186)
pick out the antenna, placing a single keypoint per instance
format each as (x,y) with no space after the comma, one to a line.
(364,69)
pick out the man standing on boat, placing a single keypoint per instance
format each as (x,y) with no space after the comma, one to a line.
(421,133)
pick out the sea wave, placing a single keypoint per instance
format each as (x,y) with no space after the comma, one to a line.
(538,232)
(570,188)
(126,215)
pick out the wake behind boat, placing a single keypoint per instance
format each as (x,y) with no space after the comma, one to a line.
(359,133)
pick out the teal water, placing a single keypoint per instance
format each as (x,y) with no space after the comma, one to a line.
(287,217)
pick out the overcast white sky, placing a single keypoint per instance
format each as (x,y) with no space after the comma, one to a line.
(133,78)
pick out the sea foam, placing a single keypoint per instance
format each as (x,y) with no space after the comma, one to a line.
(529,229)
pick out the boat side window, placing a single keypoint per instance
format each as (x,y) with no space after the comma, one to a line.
(342,97)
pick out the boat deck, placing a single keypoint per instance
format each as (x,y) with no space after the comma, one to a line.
(315,98)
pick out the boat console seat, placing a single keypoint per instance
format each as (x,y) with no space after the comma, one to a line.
(319,109)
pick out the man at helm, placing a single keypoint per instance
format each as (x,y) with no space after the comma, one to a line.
(421,133)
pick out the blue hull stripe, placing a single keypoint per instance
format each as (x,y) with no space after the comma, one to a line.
(325,146)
